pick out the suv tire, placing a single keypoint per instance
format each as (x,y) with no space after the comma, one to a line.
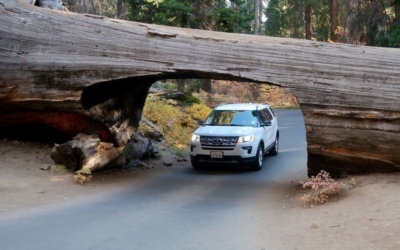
(275,149)
(259,158)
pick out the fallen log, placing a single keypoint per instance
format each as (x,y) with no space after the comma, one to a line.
(87,152)
(101,69)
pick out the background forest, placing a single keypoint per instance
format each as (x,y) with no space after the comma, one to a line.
(362,22)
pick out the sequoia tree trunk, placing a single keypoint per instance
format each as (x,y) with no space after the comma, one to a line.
(84,73)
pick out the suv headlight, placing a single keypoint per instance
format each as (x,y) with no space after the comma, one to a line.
(247,138)
(195,137)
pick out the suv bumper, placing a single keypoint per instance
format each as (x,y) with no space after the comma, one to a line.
(231,161)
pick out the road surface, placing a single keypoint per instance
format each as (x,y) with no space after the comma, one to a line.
(185,209)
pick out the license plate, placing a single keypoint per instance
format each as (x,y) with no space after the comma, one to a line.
(215,154)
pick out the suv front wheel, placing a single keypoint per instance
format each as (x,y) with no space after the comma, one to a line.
(259,158)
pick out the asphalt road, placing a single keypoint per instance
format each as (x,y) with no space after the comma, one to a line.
(185,209)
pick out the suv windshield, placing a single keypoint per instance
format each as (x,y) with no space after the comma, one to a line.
(232,118)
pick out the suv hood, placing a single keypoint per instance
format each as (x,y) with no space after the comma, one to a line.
(224,130)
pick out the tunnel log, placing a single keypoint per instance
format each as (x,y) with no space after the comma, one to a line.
(55,62)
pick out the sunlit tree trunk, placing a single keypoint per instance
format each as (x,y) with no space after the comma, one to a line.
(334,19)
(256,16)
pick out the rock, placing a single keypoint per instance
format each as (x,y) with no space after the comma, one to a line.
(139,147)
(151,130)
(133,164)
(44,167)
(314,226)
(168,164)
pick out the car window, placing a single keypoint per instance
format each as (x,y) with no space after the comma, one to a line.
(232,118)
(263,117)
(267,114)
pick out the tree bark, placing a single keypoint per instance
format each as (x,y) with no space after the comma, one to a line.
(334,11)
(308,22)
(207,86)
(256,16)
(119,8)
(181,85)
(99,70)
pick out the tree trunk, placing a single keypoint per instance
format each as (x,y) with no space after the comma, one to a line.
(93,7)
(207,87)
(334,11)
(256,16)
(119,8)
(308,22)
(397,11)
(70,71)
(181,85)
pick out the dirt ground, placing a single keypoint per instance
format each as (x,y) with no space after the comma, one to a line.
(369,209)
(27,183)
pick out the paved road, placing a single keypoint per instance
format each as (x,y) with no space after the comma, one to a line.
(185,209)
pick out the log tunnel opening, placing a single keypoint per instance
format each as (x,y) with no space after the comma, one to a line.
(120,102)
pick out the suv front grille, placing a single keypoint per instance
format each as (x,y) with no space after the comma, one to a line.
(218,141)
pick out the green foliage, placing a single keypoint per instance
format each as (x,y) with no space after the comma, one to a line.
(188,99)
(180,153)
(394,37)
(142,10)
(193,86)
(237,18)
(391,39)
(206,14)
(165,85)
(290,21)
(275,22)
(286,18)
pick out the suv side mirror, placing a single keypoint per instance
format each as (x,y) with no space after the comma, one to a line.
(201,122)
(266,124)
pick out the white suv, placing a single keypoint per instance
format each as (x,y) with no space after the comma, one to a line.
(235,134)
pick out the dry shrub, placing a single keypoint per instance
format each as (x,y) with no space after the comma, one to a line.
(82,176)
(199,111)
(323,187)
(242,92)
(176,125)
(59,169)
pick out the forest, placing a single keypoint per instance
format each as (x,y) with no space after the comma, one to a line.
(361,22)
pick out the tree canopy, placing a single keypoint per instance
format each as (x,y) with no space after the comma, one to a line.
(363,22)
